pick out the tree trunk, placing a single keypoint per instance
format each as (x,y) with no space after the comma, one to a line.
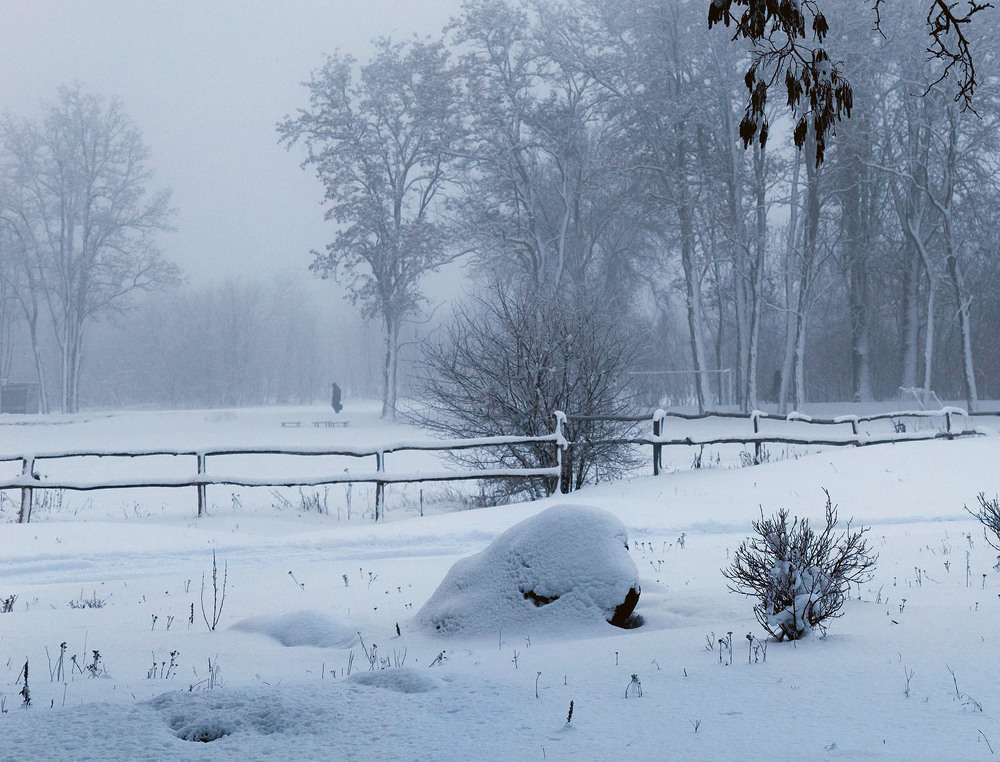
(793,225)
(799,361)
(390,366)
(756,279)
(788,359)
(968,370)
(70,364)
(36,350)
(810,236)
(929,338)
(861,369)
(692,287)
(857,231)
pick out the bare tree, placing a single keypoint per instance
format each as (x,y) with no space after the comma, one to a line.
(21,273)
(511,359)
(380,141)
(83,217)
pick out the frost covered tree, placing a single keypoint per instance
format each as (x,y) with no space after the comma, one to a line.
(380,138)
(546,192)
(83,218)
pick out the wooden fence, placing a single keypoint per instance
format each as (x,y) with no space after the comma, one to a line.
(856,439)
(30,480)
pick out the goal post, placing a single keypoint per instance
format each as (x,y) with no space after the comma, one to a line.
(673,388)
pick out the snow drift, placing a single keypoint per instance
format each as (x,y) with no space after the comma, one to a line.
(566,567)
(300,628)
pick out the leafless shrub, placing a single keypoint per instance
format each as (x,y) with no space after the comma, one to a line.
(314,502)
(93,602)
(512,357)
(988,514)
(964,698)
(218,595)
(800,577)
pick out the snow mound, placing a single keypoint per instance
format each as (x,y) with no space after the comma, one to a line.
(300,628)
(403,680)
(567,567)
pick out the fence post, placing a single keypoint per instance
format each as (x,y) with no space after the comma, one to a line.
(659,416)
(755,417)
(202,503)
(947,418)
(560,444)
(27,469)
(379,486)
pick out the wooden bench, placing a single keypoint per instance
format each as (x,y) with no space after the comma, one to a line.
(330,424)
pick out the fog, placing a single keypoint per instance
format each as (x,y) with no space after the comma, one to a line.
(547,164)
(206,82)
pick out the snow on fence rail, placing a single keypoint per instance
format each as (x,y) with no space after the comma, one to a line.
(757,439)
(30,480)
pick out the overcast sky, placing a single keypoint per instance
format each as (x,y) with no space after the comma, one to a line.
(206,81)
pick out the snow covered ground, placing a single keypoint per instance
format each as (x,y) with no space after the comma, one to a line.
(909,671)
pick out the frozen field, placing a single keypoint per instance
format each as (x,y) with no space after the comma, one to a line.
(119,574)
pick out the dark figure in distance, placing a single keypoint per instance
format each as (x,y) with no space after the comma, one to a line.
(335,399)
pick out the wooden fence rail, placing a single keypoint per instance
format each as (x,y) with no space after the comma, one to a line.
(757,439)
(30,480)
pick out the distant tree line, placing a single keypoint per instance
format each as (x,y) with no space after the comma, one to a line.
(591,166)
(263,339)
(597,152)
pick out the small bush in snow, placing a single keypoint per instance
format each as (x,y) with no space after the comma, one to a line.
(801,577)
(93,602)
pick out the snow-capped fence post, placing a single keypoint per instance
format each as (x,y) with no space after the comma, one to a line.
(379,486)
(659,418)
(563,484)
(202,503)
(27,469)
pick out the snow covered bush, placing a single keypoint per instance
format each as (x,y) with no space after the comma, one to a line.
(800,577)
(566,568)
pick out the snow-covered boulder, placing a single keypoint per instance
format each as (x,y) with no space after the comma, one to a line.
(565,568)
